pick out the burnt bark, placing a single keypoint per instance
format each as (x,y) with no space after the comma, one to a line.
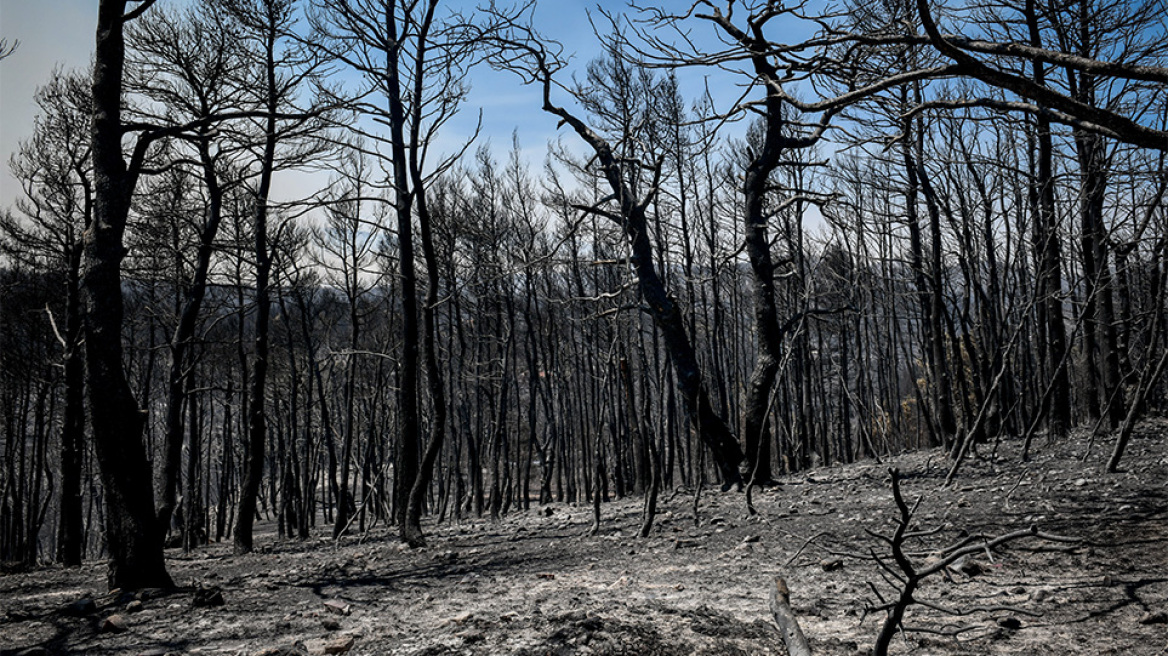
(253,460)
(710,426)
(71,529)
(180,378)
(409,442)
(1048,257)
(411,526)
(134,541)
(928,287)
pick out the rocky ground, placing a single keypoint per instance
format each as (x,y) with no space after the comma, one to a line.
(533,583)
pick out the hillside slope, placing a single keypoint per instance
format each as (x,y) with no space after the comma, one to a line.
(534,584)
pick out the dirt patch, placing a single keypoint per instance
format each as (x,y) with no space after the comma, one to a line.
(534,584)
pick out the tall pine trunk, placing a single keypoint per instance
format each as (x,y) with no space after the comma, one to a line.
(133,537)
(253,460)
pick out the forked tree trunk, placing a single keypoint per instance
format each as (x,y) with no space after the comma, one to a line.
(409,442)
(709,425)
(411,526)
(134,541)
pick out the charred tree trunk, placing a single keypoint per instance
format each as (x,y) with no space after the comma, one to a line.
(411,527)
(708,424)
(257,428)
(1048,257)
(180,345)
(133,538)
(71,530)
(409,440)
(1105,393)
(928,290)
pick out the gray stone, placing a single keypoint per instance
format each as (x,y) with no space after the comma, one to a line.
(113,624)
(338,645)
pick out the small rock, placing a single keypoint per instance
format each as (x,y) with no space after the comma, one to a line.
(280,651)
(547,576)
(1011,623)
(81,608)
(1080,482)
(331,624)
(113,624)
(750,539)
(831,564)
(1041,595)
(207,597)
(1159,617)
(134,607)
(338,645)
(338,607)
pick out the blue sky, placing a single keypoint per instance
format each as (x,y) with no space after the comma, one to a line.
(60,33)
(51,33)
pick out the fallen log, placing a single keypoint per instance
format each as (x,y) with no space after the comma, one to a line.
(785,618)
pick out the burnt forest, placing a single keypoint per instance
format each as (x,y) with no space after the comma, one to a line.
(631,327)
